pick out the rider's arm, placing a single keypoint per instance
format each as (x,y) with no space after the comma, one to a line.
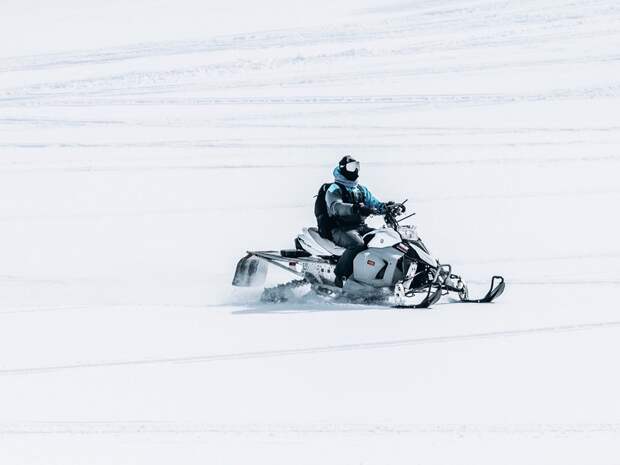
(335,204)
(371,201)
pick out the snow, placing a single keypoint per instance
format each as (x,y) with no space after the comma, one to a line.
(145,146)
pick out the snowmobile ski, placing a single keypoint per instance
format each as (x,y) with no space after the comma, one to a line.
(494,292)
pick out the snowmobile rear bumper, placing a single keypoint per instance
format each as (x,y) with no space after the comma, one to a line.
(251,270)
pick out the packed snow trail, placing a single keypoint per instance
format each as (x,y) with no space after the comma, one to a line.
(315,350)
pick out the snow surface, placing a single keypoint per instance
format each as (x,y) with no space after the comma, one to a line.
(145,145)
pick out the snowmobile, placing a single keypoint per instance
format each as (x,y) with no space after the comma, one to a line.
(395,268)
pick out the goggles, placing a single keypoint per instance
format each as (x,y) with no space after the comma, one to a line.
(352,166)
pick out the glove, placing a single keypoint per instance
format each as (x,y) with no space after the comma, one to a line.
(363,210)
(398,208)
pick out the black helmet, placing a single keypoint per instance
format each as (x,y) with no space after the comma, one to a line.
(349,167)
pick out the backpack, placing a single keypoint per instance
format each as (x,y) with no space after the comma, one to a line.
(325,222)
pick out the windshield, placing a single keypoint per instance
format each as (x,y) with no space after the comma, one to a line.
(408,232)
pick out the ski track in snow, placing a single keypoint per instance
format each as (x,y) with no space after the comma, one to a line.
(312,350)
(493,24)
(101,166)
(155,427)
(482,17)
(411,101)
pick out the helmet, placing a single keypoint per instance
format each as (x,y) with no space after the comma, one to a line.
(349,167)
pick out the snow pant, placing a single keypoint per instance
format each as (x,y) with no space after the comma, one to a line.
(350,239)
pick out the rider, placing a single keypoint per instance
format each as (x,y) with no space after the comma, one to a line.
(349,216)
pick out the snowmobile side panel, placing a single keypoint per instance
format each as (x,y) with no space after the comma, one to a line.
(251,272)
(378,267)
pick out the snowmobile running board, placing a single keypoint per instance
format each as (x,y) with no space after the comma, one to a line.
(252,269)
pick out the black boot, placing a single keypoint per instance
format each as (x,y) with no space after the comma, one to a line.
(339,281)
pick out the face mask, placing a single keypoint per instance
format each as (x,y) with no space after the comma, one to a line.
(350,175)
(350,170)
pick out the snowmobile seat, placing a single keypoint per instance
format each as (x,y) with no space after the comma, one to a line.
(318,245)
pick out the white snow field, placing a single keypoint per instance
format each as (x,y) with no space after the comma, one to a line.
(145,145)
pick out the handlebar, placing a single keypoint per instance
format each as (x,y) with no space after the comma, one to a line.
(392,212)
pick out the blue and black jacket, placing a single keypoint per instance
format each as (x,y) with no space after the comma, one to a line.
(342,195)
